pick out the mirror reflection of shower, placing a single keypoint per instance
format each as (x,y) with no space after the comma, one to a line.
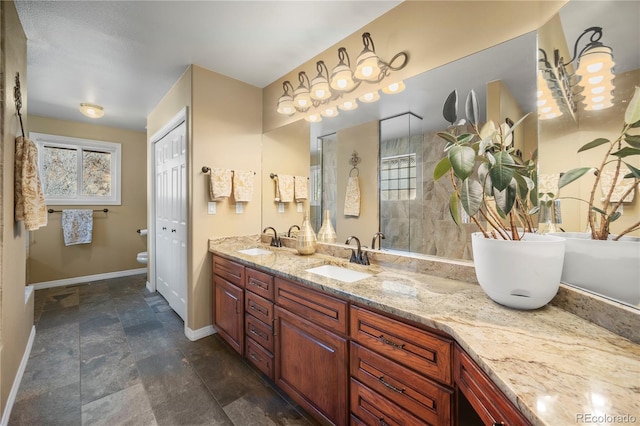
(400,182)
(324,180)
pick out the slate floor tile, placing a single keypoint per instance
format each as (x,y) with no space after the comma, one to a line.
(127,407)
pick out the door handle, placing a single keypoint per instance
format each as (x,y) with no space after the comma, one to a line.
(173,230)
(164,228)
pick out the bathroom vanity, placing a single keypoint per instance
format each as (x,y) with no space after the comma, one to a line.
(399,347)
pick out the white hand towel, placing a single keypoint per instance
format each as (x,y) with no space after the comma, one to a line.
(30,206)
(220,184)
(621,187)
(352,197)
(243,185)
(284,185)
(77,226)
(301,188)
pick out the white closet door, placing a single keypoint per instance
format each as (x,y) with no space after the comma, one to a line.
(171,219)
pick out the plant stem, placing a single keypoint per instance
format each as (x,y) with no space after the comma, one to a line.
(632,228)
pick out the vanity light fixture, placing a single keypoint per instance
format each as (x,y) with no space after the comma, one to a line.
(326,89)
(91,110)
(593,76)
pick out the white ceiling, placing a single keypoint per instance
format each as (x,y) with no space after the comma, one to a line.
(125,55)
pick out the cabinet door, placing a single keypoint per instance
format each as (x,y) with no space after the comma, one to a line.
(228,312)
(311,366)
(484,396)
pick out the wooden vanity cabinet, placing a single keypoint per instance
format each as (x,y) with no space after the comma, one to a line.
(312,350)
(228,302)
(400,374)
(490,405)
(259,318)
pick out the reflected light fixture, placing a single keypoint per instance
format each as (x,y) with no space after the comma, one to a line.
(91,110)
(593,77)
(326,89)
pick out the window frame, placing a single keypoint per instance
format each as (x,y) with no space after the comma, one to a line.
(67,142)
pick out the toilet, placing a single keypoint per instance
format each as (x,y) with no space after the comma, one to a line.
(143,256)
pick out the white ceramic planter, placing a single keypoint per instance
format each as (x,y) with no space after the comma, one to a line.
(609,268)
(519,274)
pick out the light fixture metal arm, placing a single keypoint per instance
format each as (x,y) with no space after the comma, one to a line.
(594,41)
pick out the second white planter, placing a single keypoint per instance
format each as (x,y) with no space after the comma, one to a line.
(519,274)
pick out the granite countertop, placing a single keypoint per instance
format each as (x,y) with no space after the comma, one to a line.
(559,369)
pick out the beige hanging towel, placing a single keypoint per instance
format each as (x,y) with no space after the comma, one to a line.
(622,186)
(352,197)
(301,188)
(30,206)
(284,188)
(243,185)
(220,184)
(77,226)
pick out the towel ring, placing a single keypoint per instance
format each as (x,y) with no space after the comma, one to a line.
(357,172)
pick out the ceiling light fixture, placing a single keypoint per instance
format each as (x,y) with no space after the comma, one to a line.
(323,92)
(592,80)
(91,110)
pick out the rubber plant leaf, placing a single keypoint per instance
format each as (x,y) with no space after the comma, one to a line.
(626,152)
(454,207)
(516,124)
(614,216)
(635,172)
(594,143)
(485,179)
(448,137)
(462,160)
(506,199)
(633,140)
(442,168)
(632,113)
(471,196)
(572,175)
(471,108)
(502,172)
(450,109)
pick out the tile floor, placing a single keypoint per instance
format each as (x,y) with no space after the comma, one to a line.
(112,353)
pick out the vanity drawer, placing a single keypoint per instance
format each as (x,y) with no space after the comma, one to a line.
(411,391)
(259,331)
(260,283)
(323,310)
(259,357)
(258,307)
(231,271)
(375,410)
(410,346)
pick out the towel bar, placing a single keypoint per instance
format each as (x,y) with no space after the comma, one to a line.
(206,169)
(273,175)
(95,210)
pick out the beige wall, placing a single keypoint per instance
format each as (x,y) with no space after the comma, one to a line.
(115,242)
(16,314)
(224,130)
(433,33)
(365,140)
(285,151)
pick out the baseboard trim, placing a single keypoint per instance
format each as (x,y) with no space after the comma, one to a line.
(88,278)
(200,333)
(18,379)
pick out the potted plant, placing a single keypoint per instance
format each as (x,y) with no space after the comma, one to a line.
(597,260)
(497,190)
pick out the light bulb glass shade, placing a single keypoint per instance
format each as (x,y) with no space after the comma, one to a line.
(91,110)
(329,111)
(342,78)
(348,105)
(394,88)
(595,60)
(285,105)
(598,106)
(320,88)
(369,97)
(313,118)
(301,98)
(367,66)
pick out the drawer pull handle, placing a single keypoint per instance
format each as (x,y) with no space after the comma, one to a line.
(382,422)
(256,283)
(255,358)
(389,385)
(257,333)
(499,424)
(257,308)
(390,343)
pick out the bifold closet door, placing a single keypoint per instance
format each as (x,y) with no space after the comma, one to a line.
(171,219)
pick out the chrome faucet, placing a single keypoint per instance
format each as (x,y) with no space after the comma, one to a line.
(375,237)
(357,257)
(290,228)
(275,240)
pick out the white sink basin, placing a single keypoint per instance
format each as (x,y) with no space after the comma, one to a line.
(338,273)
(254,251)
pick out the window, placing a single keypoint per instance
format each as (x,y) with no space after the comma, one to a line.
(398,177)
(78,171)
